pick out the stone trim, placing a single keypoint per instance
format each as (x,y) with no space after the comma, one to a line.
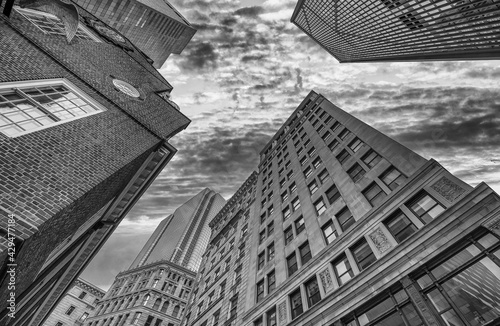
(448,189)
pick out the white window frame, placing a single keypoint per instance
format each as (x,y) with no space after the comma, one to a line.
(25,13)
(53,82)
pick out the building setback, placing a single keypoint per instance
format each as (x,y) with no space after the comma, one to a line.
(154,26)
(402,30)
(77,305)
(83,132)
(219,294)
(351,228)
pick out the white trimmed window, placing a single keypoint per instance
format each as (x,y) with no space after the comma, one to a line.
(30,106)
(50,24)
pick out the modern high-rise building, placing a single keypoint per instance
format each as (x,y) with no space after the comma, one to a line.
(351,228)
(84,128)
(156,287)
(402,30)
(76,306)
(154,26)
(183,236)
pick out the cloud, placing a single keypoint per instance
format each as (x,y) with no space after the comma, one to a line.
(251,12)
(200,57)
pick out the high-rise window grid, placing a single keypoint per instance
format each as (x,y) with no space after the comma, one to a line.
(291,263)
(320,206)
(425,207)
(305,253)
(295,204)
(313,187)
(342,269)
(312,291)
(299,225)
(392,178)
(296,304)
(345,218)
(400,226)
(356,172)
(271,282)
(343,156)
(332,194)
(329,232)
(374,194)
(333,145)
(260,291)
(288,235)
(371,158)
(356,145)
(363,254)
(270,252)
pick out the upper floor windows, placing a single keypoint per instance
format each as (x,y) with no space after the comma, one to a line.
(425,207)
(362,254)
(392,178)
(371,158)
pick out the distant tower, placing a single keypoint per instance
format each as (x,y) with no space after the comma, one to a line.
(402,30)
(183,236)
(154,26)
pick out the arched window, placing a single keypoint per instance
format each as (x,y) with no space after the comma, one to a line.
(146,299)
(156,306)
(176,311)
(164,308)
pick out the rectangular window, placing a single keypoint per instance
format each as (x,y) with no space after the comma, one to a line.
(286,213)
(392,178)
(342,269)
(343,157)
(26,107)
(290,175)
(296,302)
(260,291)
(270,196)
(263,202)
(292,187)
(271,317)
(282,182)
(363,254)
(307,172)
(270,210)
(233,307)
(262,236)
(305,253)
(288,235)
(287,164)
(371,158)
(263,218)
(425,207)
(345,218)
(295,204)
(326,136)
(284,196)
(315,123)
(70,310)
(328,119)
(271,282)
(320,128)
(291,263)
(303,160)
(356,145)
(307,142)
(270,229)
(344,133)
(312,290)
(356,172)
(329,232)
(320,206)
(258,322)
(280,172)
(335,126)
(313,187)
(299,225)
(400,226)
(374,194)
(311,151)
(317,162)
(299,151)
(261,261)
(333,145)
(322,176)
(270,252)
(332,194)
(82,295)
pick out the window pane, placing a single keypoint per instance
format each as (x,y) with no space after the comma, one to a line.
(456,261)
(376,311)
(488,240)
(412,315)
(426,207)
(400,226)
(363,254)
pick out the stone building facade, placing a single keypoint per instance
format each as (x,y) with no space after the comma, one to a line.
(76,306)
(221,284)
(84,130)
(155,294)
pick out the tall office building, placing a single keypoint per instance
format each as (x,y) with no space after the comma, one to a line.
(183,236)
(154,26)
(402,30)
(84,129)
(351,228)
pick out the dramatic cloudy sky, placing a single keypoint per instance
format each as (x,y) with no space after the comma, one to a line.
(246,70)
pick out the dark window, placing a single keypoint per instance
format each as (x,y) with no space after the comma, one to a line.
(374,194)
(290,175)
(82,295)
(291,263)
(307,172)
(320,206)
(313,187)
(303,160)
(343,134)
(342,269)
(371,158)
(329,232)
(328,119)
(282,182)
(258,322)
(262,218)
(400,226)
(343,156)
(363,254)
(345,218)
(70,310)
(425,207)
(356,145)
(312,290)
(356,172)
(335,125)
(293,187)
(317,162)
(271,317)
(271,282)
(326,136)
(270,228)
(149,321)
(296,302)
(332,194)
(299,151)
(305,253)
(284,196)
(392,178)
(286,213)
(270,252)
(333,144)
(299,225)
(295,204)
(261,261)
(260,290)
(262,236)
(320,128)
(322,176)
(311,151)
(288,235)
(270,210)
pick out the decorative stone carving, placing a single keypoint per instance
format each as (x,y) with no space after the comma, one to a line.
(282,313)
(494,225)
(448,189)
(380,240)
(326,280)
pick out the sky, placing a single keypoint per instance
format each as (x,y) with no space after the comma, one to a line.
(247,69)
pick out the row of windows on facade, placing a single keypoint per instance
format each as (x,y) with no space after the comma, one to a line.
(123,320)
(151,279)
(423,209)
(215,318)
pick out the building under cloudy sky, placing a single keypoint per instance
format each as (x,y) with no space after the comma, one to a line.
(242,76)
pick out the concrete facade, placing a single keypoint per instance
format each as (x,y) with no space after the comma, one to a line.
(77,305)
(68,184)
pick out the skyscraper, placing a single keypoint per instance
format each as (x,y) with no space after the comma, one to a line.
(402,30)
(84,129)
(154,26)
(350,228)
(182,237)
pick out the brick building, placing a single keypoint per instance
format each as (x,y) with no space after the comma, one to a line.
(349,227)
(76,306)
(402,30)
(84,130)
